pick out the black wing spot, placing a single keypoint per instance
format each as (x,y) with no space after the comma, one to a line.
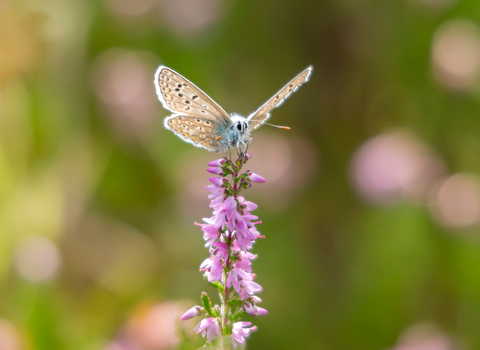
(291,85)
(197,120)
(181,118)
(205,107)
(189,123)
(185,84)
(207,122)
(177,89)
(180,95)
(278,96)
(179,85)
(187,108)
(187,102)
(202,111)
(194,97)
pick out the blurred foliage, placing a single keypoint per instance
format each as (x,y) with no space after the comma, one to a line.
(98,248)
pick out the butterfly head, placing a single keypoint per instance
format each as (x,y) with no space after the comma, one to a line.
(241,126)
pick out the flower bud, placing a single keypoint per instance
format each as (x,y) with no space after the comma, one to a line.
(255,299)
(218,181)
(255,310)
(216,171)
(255,178)
(191,313)
(217,162)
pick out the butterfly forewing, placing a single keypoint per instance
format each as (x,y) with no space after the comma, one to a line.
(179,95)
(261,115)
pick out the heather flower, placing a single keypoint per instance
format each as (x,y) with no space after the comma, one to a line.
(218,181)
(255,178)
(239,332)
(254,310)
(191,313)
(213,269)
(208,327)
(229,235)
(216,171)
(217,162)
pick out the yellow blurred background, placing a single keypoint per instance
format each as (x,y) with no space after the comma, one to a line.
(371,209)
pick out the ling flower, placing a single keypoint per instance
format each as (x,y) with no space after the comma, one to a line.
(229,235)
(191,313)
(239,332)
(208,327)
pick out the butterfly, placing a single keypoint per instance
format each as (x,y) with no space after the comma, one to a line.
(199,120)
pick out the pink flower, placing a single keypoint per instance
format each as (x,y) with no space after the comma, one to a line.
(255,178)
(242,282)
(210,234)
(249,288)
(229,235)
(226,212)
(239,332)
(191,313)
(216,171)
(217,162)
(218,181)
(250,205)
(244,261)
(221,251)
(208,327)
(213,269)
(254,310)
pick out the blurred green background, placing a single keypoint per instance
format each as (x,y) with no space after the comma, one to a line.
(371,207)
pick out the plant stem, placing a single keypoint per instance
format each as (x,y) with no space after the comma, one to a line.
(225,310)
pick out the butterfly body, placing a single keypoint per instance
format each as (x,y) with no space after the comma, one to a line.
(198,120)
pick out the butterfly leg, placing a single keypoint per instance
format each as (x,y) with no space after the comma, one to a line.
(225,148)
(249,141)
(238,148)
(245,147)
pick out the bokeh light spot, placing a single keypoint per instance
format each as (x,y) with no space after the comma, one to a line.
(190,16)
(36,258)
(9,337)
(424,336)
(456,53)
(455,201)
(122,81)
(393,166)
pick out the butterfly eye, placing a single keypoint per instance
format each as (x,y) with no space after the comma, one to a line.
(239,127)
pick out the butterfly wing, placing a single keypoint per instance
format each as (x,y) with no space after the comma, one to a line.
(182,97)
(262,114)
(200,132)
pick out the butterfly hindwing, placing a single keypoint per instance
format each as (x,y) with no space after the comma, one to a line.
(262,114)
(200,132)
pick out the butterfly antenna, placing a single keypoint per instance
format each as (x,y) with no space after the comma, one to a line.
(218,138)
(277,126)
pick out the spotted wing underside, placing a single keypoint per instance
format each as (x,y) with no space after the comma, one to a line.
(181,96)
(262,114)
(200,132)
(198,119)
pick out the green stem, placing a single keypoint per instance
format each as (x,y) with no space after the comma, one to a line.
(225,310)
